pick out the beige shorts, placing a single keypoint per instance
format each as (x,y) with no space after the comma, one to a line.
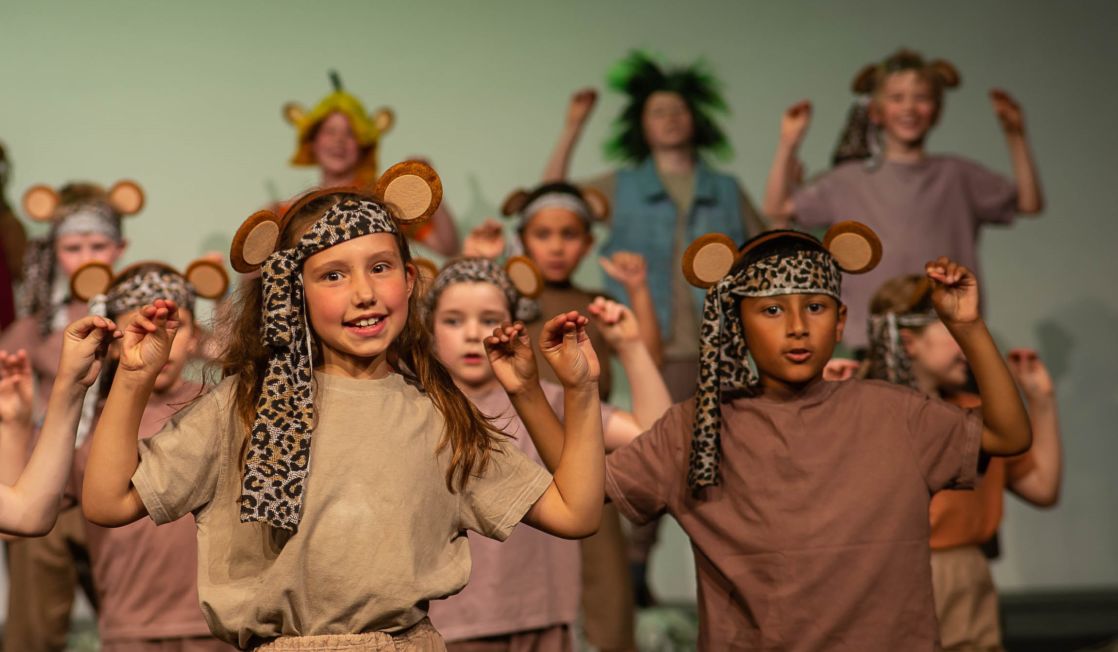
(423,637)
(966,602)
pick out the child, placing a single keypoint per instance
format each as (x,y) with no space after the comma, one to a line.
(85,225)
(806,500)
(523,593)
(31,489)
(342,139)
(922,205)
(13,240)
(345,541)
(911,346)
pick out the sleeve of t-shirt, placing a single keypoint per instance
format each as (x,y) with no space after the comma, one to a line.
(644,476)
(179,466)
(993,198)
(945,440)
(813,203)
(495,501)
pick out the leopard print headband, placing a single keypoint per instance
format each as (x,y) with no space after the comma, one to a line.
(723,361)
(142,288)
(888,359)
(481,270)
(279,448)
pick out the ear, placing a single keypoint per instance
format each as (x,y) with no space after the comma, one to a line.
(413,189)
(598,203)
(708,259)
(208,278)
(126,197)
(515,202)
(525,276)
(945,72)
(40,201)
(294,113)
(855,247)
(383,119)
(863,81)
(254,241)
(840,325)
(908,340)
(91,279)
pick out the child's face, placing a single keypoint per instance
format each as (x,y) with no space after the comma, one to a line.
(72,250)
(465,315)
(357,302)
(335,147)
(667,121)
(556,240)
(937,360)
(791,337)
(905,107)
(182,348)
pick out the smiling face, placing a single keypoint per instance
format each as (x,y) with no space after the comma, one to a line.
(335,147)
(72,250)
(357,302)
(667,121)
(905,107)
(465,315)
(791,337)
(556,240)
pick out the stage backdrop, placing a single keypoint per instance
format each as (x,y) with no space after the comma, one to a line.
(186,97)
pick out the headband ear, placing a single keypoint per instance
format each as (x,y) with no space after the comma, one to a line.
(598,203)
(254,241)
(945,72)
(383,119)
(40,202)
(863,81)
(515,202)
(294,113)
(854,246)
(126,197)
(91,279)
(413,189)
(708,259)
(208,278)
(525,276)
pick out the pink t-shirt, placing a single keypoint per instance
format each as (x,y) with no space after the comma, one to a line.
(919,210)
(44,353)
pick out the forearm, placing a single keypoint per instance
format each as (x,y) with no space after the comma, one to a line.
(1006,423)
(15,449)
(778,191)
(1030,198)
(580,475)
(108,497)
(541,423)
(558,164)
(640,300)
(1041,486)
(646,385)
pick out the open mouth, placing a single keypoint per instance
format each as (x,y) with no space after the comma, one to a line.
(473,358)
(366,326)
(798,356)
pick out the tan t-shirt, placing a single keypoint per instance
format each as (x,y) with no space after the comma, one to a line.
(380,533)
(817,536)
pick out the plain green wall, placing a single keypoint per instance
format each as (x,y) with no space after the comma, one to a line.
(185,97)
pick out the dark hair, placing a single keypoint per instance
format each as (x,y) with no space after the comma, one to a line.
(781,242)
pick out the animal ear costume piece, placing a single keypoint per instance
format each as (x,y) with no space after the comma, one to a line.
(945,72)
(515,202)
(90,280)
(854,246)
(209,279)
(254,241)
(525,276)
(384,119)
(708,259)
(294,113)
(40,202)
(863,81)
(598,203)
(413,189)
(126,197)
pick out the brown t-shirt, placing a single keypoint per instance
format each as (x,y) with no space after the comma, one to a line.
(557,299)
(817,537)
(44,353)
(146,576)
(380,533)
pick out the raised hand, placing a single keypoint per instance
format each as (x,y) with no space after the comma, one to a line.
(627,268)
(840,369)
(17,387)
(1031,374)
(1008,111)
(83,346)
(581,104)
(954,291)
(510,355)
(566,347)
(615,322)
(147,339)
(486,240)
(794,122)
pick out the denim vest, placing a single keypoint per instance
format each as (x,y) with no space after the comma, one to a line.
(644,221)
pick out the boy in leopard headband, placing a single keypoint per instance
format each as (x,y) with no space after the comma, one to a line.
(806,500)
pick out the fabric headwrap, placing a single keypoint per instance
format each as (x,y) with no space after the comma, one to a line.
(723,359)
(564,200)
(888,358)
(481,270)
(280,442)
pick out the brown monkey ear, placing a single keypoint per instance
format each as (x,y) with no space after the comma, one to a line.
(294,113)
(126,197)
(708,259)
(855,246)
(945,72)
(525,276)
(598,203)
(413,189)
(515,202)
(863,81)
(254,241)
(383,119)
(40,202)
(208,278)
(91,279)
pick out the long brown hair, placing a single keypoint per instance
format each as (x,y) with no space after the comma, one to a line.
(469,435)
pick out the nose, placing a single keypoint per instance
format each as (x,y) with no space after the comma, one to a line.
(362,291)
(797,325)
(474,331)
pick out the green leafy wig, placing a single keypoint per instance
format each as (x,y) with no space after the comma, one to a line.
(639,76)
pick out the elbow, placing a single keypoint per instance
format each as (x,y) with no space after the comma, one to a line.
(97,515)
(1031,207)
(1047,500)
